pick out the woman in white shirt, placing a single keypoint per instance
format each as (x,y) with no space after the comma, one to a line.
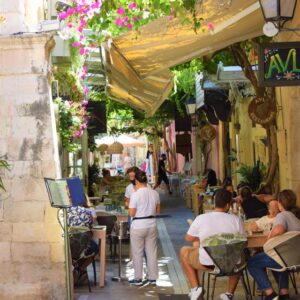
(143,207)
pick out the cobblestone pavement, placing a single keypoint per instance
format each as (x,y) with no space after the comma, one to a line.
(171,277)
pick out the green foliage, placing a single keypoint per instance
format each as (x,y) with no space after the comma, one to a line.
(69,85)
(3,165)
(146,10)
(184,82)
(69,123)
(253,176)
(211,64)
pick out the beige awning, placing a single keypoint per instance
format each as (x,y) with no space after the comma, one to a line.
(140,62)
(124,84)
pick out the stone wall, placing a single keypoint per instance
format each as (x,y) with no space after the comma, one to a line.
(31,244)
(288,99)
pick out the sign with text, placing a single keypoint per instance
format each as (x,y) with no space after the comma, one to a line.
(279,64)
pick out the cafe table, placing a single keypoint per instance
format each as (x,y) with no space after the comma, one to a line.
(256,240)
(100,211)
(99,232)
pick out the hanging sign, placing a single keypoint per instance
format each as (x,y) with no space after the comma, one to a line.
(208,133)
(262,111)
(279,64)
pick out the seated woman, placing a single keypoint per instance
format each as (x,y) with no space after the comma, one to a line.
(266,222)
(252,207)
(105,180)
(285,221)
(227,185)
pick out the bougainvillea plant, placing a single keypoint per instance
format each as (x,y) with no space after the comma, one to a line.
(109,19)
(72,122)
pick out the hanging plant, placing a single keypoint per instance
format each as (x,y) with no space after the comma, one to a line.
(71,123)
(3,165)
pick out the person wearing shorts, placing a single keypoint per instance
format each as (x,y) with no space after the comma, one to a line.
(196,259)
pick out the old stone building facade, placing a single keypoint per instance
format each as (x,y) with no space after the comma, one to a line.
(32,261)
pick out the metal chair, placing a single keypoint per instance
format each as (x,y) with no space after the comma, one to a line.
(80,238)
(109,222)
(289,254)
(226,259)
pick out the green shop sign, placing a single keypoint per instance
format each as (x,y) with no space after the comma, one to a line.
(279,64)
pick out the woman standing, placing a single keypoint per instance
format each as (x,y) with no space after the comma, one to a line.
(144,205)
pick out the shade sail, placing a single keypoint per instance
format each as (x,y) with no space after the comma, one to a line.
(167,42)
(138,64)
(124,84)
(125,140)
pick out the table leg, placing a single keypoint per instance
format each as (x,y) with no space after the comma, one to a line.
(102,261)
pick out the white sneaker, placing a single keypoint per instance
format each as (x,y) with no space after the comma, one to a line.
(226,297)
(194,295)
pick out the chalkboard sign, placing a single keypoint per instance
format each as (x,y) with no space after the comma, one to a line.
(279,64)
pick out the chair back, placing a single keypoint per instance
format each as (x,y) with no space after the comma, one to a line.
(108,221)
(226,256)
(289,252)
(80,237)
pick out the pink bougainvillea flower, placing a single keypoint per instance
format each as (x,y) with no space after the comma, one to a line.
(85,102)
(118,21)
(120,11)
(210,26)
(81,51)
(125,19)
(63,15)
(132,5)
(84,126)
(70,11)
(86,90)
(70,25)
(133,19)
(78,133)
(76,44)
(139,17)
(129,26)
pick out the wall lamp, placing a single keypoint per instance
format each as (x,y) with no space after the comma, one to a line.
(277,13)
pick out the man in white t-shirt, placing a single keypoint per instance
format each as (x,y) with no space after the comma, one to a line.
(206,225)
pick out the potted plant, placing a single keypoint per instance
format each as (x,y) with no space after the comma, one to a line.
(3,165)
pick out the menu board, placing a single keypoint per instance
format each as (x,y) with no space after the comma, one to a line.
(279,64)
(76,191)
(58,192)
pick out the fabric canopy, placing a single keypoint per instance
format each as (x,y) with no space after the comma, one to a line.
(139,62)
(124,85)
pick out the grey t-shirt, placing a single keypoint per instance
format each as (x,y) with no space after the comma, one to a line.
(288,220)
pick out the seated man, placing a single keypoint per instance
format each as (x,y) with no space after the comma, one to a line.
(266,223)
(195,258)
